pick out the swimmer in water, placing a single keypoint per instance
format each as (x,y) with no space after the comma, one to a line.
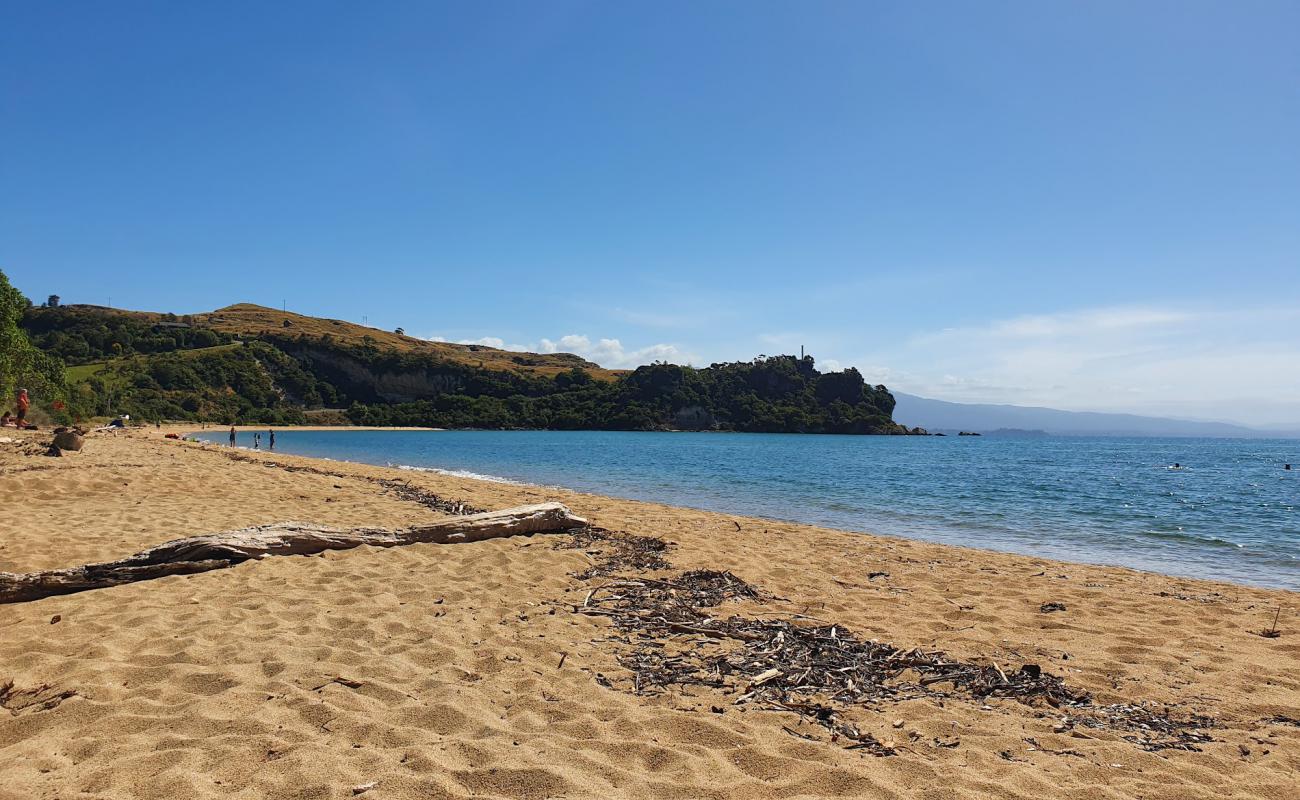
(1287,467)
(1176,466)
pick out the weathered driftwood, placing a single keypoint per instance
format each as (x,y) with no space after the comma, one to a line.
(219,550)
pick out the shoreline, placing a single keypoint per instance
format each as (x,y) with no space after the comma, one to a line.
(939,537)
(455,651)
(172,427)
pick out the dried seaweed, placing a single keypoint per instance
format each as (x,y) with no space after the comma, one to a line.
(615,552)
(1151,729)
(671,636)
(402,490)
(405,491)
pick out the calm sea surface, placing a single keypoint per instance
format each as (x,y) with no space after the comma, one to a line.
(1232,513)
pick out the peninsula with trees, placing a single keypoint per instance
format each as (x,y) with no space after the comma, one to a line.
(252,364)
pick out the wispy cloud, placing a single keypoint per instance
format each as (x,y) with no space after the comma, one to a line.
(680,312)
(1224,364)
(655,319)
(1231,364)
(1069,324)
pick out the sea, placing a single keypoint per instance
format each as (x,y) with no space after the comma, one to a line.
(1228,511)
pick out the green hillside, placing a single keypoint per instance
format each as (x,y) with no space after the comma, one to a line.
(251,364)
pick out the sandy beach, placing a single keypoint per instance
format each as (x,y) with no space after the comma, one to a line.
(466,670)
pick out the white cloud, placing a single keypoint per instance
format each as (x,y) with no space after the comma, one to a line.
(486,341)
(612,353)
(609,353)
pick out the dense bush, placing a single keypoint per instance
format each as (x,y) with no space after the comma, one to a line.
(85,334)
(224,385)
(24,365)
(777,394)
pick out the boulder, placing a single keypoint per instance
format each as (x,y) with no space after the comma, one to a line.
(68,440)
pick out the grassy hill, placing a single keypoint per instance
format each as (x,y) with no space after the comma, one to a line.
(250,363)
(246,320)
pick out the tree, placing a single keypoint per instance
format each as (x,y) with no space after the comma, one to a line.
(52,301)
(400,331)
(21,364)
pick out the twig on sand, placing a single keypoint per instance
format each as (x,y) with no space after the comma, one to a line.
(341,681)
(794,732)
(1273,632)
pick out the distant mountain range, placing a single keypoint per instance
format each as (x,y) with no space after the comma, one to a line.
(940,415)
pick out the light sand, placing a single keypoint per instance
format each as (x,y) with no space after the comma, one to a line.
(222,684)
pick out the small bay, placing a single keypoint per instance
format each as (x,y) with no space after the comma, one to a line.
(1230,512)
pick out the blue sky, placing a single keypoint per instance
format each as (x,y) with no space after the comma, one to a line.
(1089,206)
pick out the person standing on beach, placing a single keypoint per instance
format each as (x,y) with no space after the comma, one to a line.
(232,435)
(270,440)
(23,403)
(257,440)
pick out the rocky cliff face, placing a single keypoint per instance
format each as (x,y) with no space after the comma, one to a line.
(694,418)
(358,380)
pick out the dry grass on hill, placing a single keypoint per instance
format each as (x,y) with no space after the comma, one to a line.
(247,319)
(250,321)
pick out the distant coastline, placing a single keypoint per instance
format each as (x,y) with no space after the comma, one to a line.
(949,417)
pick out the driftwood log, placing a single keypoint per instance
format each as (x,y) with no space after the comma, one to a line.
(219,550)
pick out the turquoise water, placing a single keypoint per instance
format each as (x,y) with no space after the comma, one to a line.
(1232,513)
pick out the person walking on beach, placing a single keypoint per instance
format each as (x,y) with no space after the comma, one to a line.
(270,440)
(232,435)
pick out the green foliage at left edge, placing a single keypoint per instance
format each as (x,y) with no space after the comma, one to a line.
(21,364)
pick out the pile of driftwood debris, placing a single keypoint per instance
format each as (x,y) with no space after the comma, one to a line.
(402,490)
(672,635)
(616,552)
(405,491)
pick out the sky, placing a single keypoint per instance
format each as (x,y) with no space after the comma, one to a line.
(1090,206)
